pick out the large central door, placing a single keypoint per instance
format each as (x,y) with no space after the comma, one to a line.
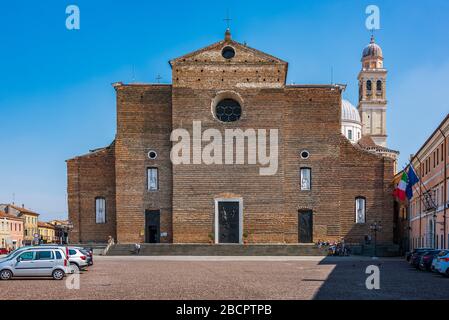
(228,222)
(152,226)
(305,226)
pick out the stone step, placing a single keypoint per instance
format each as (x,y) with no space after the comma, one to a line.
(218,250)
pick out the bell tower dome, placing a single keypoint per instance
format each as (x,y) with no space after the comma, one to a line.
(372,94)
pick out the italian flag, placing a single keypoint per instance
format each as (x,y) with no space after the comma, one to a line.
(399,192)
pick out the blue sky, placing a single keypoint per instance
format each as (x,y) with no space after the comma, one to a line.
(56,99)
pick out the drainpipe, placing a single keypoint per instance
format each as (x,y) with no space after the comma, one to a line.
(445,186)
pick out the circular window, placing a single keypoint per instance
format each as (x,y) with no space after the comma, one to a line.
(152,155)
(228,53)
(228,110)
(305,154)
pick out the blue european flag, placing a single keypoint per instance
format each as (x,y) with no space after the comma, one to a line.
(412,180)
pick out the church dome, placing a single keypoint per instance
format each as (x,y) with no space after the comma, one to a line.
(349,112)
(351,125)
(372,50)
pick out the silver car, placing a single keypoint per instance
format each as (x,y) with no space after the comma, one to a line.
(22,249)
(77,258)
(35,262)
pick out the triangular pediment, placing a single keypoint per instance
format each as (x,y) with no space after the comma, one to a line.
(213,54)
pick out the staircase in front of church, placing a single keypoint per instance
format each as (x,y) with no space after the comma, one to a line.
(219,250)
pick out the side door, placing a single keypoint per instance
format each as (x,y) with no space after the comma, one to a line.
(24,265)
(305,226)
(44,262)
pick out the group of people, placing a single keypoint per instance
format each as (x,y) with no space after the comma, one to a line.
(335,248)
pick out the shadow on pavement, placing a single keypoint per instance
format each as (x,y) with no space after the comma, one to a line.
(398,281)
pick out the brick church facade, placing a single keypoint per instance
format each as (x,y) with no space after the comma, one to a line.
(325,187)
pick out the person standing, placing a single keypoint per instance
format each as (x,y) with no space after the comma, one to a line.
(137,248)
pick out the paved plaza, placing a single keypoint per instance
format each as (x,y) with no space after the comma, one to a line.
(229,278)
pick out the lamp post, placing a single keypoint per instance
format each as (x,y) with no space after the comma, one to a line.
(375,227)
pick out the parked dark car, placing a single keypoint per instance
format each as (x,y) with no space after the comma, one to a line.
(425,261)
(416,258)
(409,254)
(90,255)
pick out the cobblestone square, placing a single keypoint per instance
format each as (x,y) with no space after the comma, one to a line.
(229,278)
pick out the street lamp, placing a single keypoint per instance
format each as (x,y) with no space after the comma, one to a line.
(375,227)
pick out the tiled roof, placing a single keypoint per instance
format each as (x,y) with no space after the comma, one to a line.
(45,225)
(367,143)
(4,215)
(94,152)
(23,210)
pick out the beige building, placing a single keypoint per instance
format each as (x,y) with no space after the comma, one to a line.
(62,228)
(29,217)
(47,232)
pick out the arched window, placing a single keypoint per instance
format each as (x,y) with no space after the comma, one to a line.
(379,85)
(360,210)
(100,210)
(369,85)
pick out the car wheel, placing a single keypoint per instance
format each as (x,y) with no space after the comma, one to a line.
(58,274)
(5,275)
(74,268)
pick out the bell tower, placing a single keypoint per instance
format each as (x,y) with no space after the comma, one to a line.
(372,94)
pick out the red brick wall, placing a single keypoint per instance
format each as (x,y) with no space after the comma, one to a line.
(89,177)
(196,186)
(370,176)
(307,117)
(143,124)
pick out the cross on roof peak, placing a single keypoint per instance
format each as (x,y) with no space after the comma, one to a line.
(228,20)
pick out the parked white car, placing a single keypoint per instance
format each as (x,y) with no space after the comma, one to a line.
(35,262)
(436,262)
(78,259)
(442,265)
